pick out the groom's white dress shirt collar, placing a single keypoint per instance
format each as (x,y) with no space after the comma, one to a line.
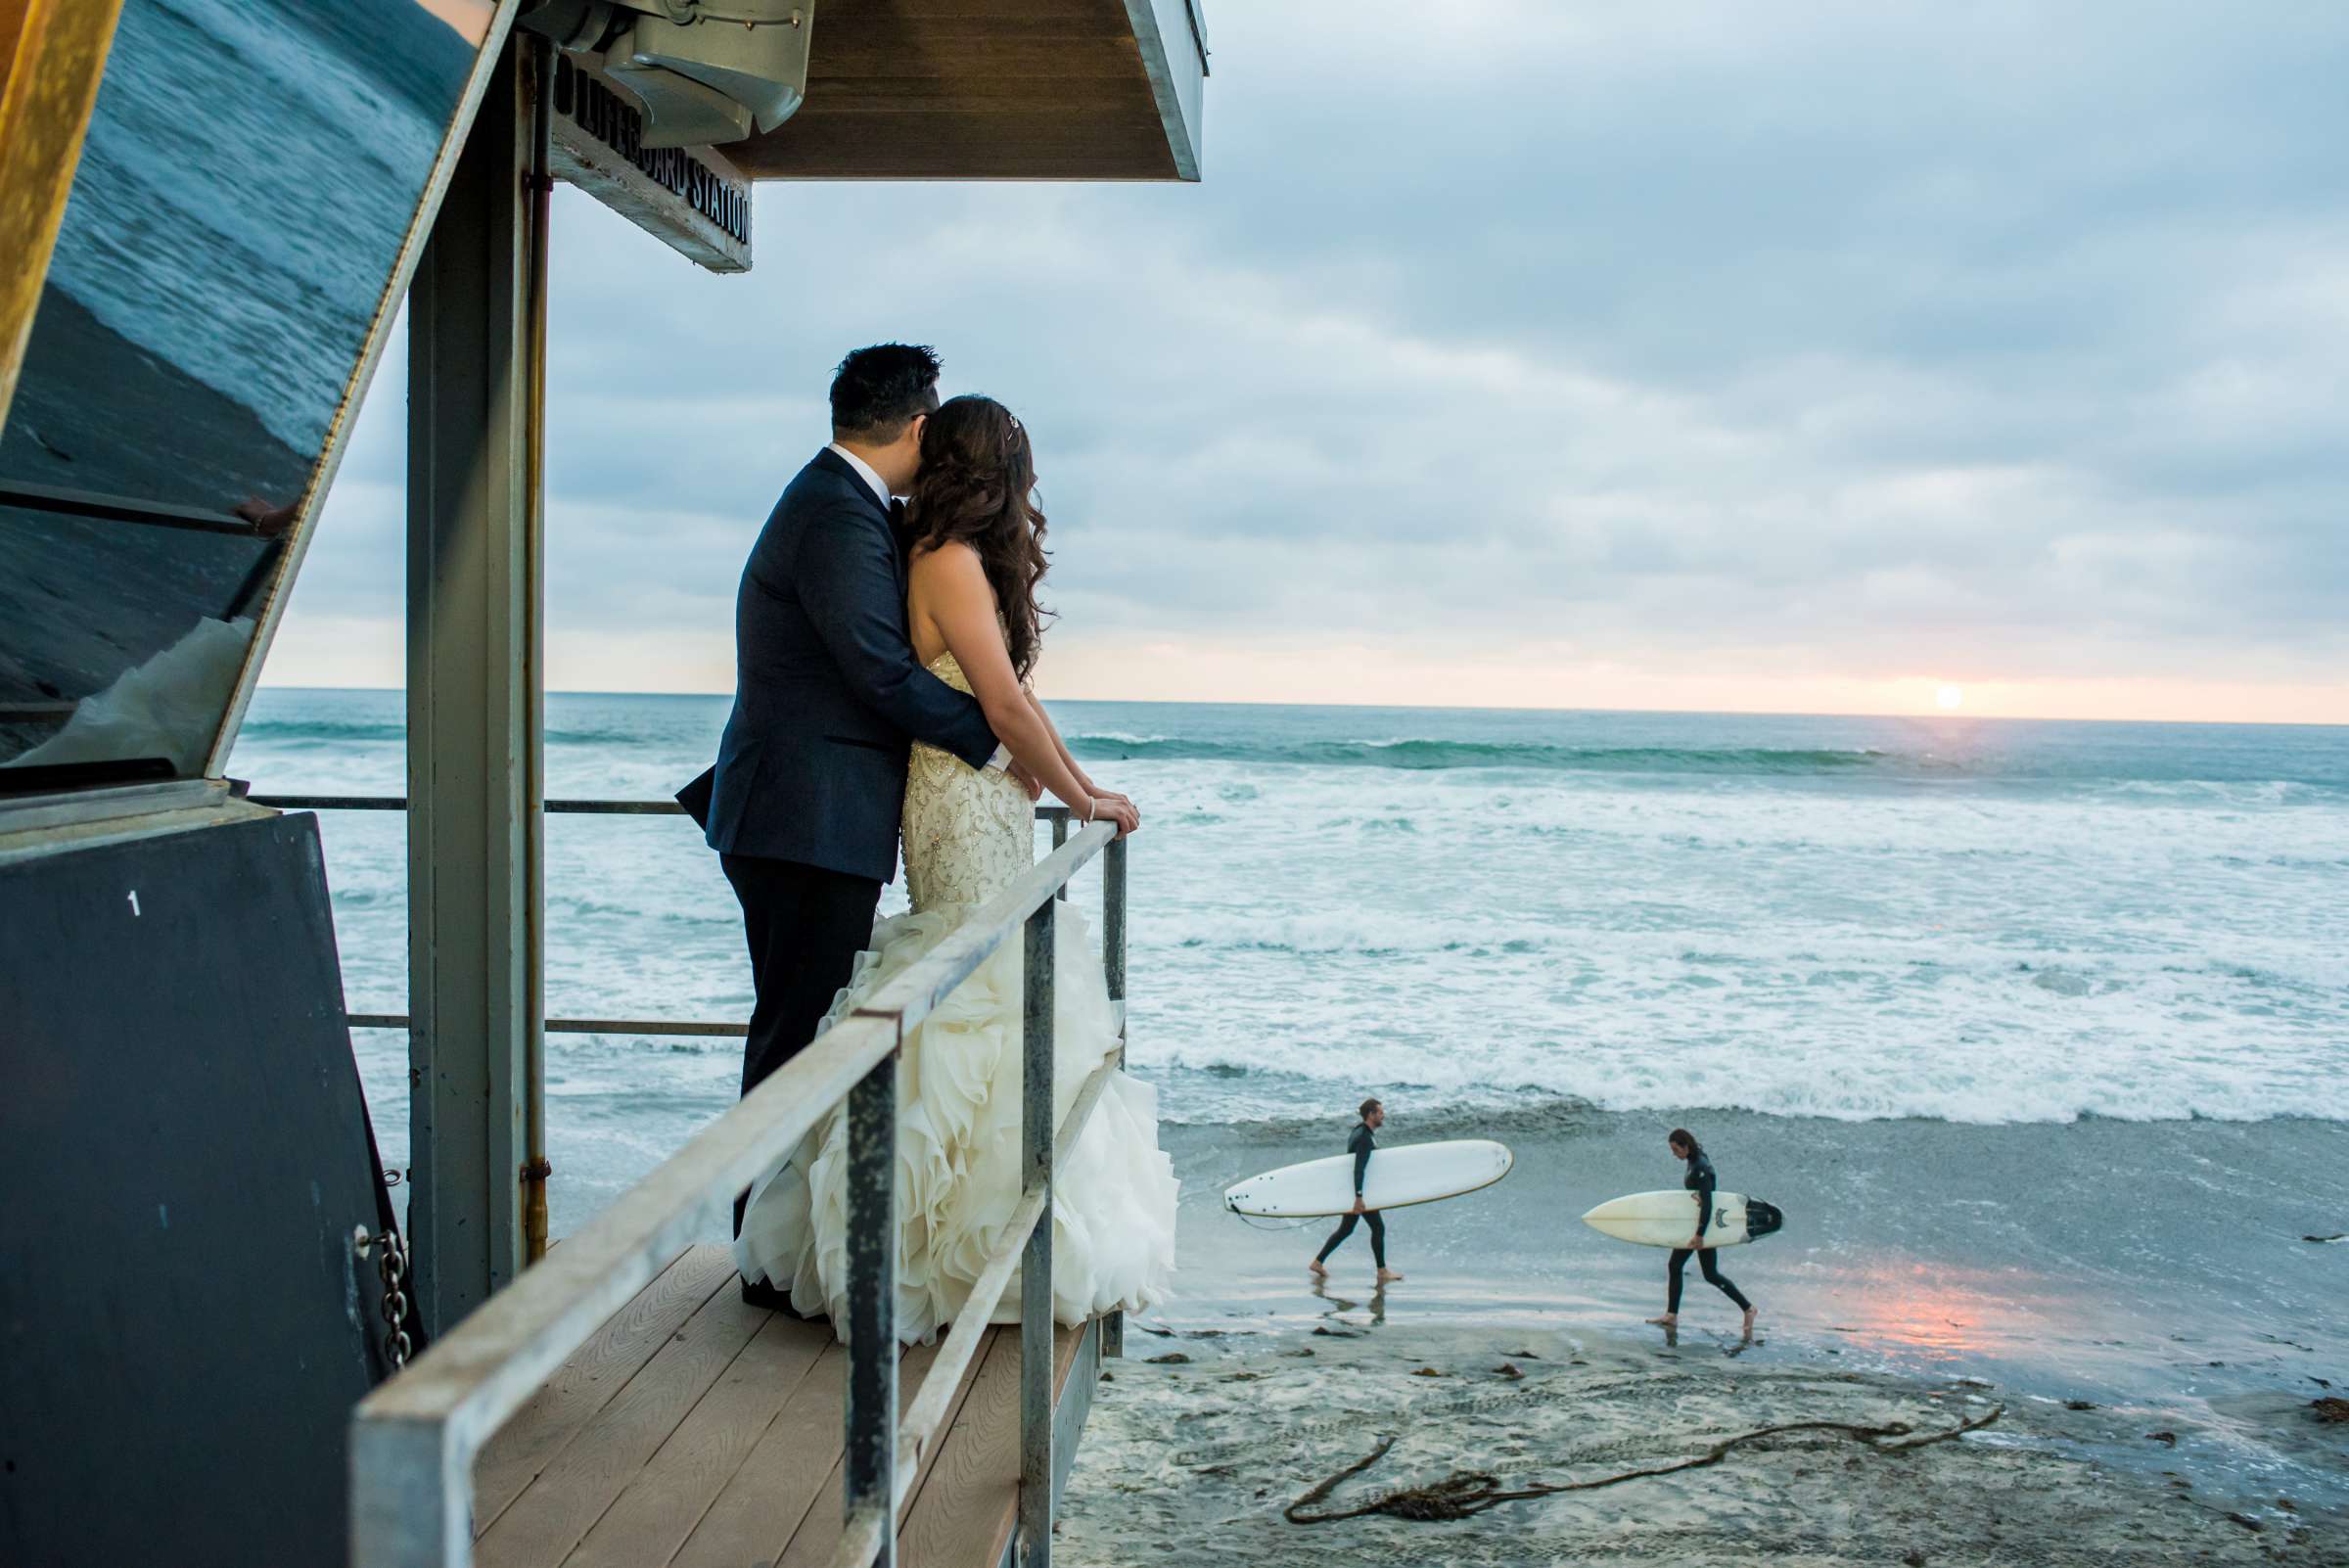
(1003,757)
(864,470)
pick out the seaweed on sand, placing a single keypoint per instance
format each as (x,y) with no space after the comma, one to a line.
(1463,1493)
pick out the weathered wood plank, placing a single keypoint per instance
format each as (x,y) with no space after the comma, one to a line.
(660,1508)
(595,1371)
(721,1445)
(928,1414)
(862,146)
(811,1546)
(1088,72)
(963,1512)
(772,1490)
(558,1509)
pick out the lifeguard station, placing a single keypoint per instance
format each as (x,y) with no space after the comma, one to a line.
(221,1340)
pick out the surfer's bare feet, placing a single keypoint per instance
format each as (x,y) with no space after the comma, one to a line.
(1388,1276)
(1317,1269)
(1749,1322)
(1667,1320)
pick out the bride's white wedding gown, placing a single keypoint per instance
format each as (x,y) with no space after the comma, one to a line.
(968,835)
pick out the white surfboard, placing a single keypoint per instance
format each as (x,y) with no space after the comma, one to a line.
(1397,1177)
(1668,1219)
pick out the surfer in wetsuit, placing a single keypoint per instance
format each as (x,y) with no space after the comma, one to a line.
(1699,1181)
(1360,1143)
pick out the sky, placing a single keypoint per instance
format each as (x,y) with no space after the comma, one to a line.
(1809,357)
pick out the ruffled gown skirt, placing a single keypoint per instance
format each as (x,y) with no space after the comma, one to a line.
(958,1152)
(967,835)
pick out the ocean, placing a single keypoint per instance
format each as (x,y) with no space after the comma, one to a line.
(1967,920)
(2038,1032)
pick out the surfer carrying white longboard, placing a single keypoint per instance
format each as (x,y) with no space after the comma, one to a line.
(1360,1143)
(1700,1180)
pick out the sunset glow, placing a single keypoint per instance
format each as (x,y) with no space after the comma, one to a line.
(331,651)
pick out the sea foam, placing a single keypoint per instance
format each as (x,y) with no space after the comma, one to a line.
(1971,922)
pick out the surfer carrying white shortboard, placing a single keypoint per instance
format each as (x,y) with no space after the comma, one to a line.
(1360,1143)
(1701,1181)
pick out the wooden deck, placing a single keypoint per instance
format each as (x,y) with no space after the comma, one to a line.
(695,1431)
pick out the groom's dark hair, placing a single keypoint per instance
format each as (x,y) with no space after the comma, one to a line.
(877,391)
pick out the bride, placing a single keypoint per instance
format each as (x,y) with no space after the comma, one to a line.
(977,556)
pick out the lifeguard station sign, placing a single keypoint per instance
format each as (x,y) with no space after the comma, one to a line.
(689,197)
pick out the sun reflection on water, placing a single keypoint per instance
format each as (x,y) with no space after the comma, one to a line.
(1940,1312)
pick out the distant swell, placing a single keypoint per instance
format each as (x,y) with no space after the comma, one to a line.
(328,731)
(1427,756)
(314,731)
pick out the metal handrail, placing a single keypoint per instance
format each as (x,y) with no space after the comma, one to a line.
(709,1028)
(414,1438)
(717,1028)
(583,805)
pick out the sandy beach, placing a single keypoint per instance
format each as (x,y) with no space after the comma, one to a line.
(2137,1301)
(1199,1443)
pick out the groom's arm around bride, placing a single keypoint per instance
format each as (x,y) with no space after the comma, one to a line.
(804,801)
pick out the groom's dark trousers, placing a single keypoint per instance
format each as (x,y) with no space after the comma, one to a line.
(802,804)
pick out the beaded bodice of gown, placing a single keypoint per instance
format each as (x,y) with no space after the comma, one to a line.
(969,834)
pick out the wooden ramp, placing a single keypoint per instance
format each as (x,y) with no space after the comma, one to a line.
(693,1430)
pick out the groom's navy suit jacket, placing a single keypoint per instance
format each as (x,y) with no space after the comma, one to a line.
(827,694)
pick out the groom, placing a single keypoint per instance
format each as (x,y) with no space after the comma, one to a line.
(804,803)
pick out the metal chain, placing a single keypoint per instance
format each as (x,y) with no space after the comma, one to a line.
(392,1264)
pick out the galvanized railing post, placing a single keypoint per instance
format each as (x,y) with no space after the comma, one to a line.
(869,1467)
(1060,836)
(1113,918)
(1113,969)
(1037,1133)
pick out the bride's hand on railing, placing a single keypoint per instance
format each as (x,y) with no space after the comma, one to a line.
(1109,808)
(1109,802)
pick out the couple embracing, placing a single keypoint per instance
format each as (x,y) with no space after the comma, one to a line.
(882,652)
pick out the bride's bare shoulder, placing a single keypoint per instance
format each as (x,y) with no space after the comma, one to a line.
(951,567)
(945,556)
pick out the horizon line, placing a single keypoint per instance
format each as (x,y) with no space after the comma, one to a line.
(1944,716)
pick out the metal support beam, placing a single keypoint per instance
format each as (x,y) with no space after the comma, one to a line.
(1113,969)
(1113,922)
(869,1463)
(1034,1531)
(475,719)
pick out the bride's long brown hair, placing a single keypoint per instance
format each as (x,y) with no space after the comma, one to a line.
(977,487)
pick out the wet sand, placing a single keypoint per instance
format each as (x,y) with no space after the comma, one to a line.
(1193,1460)
(2103,1281)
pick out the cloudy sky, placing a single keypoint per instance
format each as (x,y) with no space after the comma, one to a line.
(1803,358)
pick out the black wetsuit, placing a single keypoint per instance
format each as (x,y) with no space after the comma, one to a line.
(1359,1145)
(1700,1180)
